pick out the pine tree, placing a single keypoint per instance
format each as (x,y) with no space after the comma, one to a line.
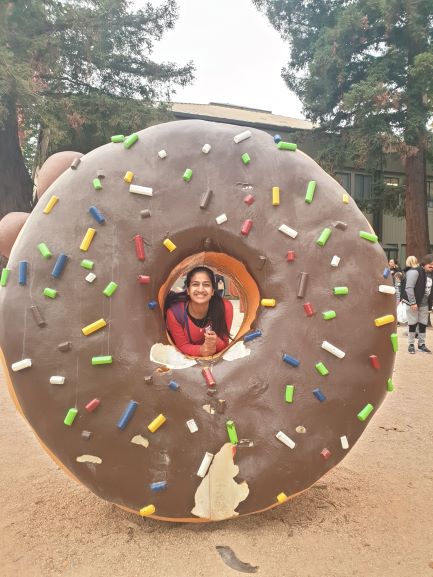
(364,69)
(74,72)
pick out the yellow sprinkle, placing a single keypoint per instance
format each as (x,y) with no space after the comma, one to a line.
(156,423)
(275,195)
(169,245)
(379,322)
(50,204)
(268,302)
(148,510)
(128,177)
(282,497)
(94,327)
(88,237)
(346,198)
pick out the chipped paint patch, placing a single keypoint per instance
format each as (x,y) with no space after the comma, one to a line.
(140,440)
(237,351)
(89,459)
(170,357)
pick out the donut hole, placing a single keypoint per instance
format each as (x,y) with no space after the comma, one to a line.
(239,286)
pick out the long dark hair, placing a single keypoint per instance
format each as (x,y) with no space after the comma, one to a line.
(216,312)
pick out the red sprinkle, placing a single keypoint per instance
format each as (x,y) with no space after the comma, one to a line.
(308,308)
(291,256)
(208,377)
(375,363)
(139,246)
(92,405)
(249,199)
(246,227)
(143,279)
(326,453)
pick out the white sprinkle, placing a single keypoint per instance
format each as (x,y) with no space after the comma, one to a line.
(386,289)
(205,464)
(57,380)
(162,154)
(192,426)
(335,260)
(140,440)
(145,190)
(89,459)
(90,277)
(20,365)
(206,148)
(287,230)
(221,218)
(333,350)
(286,440)
(242,136)
(344,442)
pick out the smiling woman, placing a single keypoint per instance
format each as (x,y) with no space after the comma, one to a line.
(199,319)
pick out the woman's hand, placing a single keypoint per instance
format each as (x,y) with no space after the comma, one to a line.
(208,348)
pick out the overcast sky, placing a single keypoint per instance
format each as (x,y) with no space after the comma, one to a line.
(237,54)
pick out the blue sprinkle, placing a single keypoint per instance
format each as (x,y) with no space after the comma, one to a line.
(252,335)
(386,272)
(127,415)
(159,486)
(291,360)
(319,395)
(152,305)
(22,272)
(173,385)
(277,138)
(59,266)
(96,215)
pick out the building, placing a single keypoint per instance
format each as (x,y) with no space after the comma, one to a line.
(390,229)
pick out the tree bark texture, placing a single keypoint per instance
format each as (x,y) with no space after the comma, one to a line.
(15,182)
(417,235)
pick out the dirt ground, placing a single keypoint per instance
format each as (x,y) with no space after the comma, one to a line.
(370,516)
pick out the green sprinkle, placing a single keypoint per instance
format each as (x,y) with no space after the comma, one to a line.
(320,367)
(117,138)
(44,250)
(394,342)
(362,415)
(51,293)
(70,417)
(290,390)
(323,238)
(89,264)
(286,145)
(389,386)
(107,360)
(368,236)
(130,140)
(5,276)
(246,158)
(310,191)
(97,184)
(187,175)
(341,290)
(328,315)
(110,289)
(231,430)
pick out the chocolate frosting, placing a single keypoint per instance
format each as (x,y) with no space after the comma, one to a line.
(253,387)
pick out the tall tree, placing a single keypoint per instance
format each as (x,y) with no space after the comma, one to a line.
(75,70)
(365,68)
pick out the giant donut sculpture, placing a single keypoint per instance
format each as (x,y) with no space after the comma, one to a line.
(218,438)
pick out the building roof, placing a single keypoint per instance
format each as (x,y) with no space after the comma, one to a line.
(239,115)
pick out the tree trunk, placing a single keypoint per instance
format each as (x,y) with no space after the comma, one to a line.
(417,235)
(15,182)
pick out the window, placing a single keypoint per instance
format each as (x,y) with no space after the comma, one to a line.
(391,181)
(363,184)
(430,193)
(344,179)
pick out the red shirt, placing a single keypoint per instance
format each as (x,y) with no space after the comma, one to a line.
(180,336)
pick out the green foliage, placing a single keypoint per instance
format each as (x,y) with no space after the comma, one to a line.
(83,68)
(363,70)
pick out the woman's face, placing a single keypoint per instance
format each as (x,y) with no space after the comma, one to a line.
(200,289)
(391,263)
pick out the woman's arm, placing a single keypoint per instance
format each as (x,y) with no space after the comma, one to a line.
(179,338)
